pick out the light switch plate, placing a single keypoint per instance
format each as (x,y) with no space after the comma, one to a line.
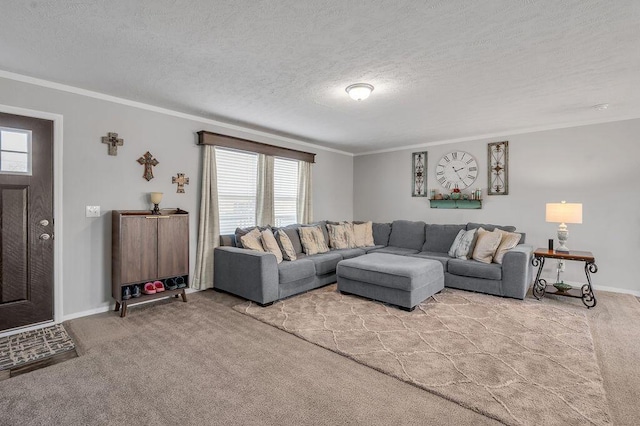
(93,211)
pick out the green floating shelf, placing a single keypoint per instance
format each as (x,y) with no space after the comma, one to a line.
(456,204)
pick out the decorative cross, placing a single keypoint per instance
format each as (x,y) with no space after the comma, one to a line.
(181,181)
(113,141)
(148,161)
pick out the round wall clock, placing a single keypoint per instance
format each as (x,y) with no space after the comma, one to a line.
(457,169)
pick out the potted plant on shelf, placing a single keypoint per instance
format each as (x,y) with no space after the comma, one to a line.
(455,194)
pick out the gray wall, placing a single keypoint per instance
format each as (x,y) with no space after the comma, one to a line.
(91,177)
(596,165)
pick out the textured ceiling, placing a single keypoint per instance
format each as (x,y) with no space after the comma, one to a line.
(441,69)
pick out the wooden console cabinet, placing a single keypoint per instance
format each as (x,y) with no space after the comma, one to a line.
(148,248)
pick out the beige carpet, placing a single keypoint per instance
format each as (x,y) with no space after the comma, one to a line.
(520,362)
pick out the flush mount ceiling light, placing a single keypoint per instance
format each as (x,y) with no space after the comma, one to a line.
(601,107)
(359,91)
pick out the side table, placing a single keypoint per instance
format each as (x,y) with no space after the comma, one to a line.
(540,286)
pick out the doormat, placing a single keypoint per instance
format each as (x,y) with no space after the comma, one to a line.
(521,362)
(35,346)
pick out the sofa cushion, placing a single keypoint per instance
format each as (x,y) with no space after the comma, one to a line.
(294,271)
(363,234)
(241,232)
(509,240)
(433,255)
(456,243)
(407,234)
(288,251)
(393,250)
(292,233)
(439,238)
(252,240)
(489,227)
(381,232)
(486,245)
(372,249)
(271,245)
(323,227)
(325,263)
(341,236)
(471,268)
(312,239)
(467,243)
(349,253)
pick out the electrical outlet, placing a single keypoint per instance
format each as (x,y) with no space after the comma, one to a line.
(561,265)
(93,211)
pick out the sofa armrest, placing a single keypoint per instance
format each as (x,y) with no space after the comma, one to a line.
(517,271)
(246,273)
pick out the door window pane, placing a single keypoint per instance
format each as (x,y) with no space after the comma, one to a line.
(14,141)
(15,151)
(17,162)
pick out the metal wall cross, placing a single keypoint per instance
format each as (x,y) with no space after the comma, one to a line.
(181,181)
(113,141)
(148,161)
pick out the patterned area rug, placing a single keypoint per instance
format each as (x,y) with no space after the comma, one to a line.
(30,346)
(519,362)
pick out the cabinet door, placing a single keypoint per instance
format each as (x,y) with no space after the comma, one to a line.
(173,246)
(139,248)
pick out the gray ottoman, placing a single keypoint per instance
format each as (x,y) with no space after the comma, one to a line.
(398,280)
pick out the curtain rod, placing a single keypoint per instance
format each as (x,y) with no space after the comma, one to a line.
(216,139)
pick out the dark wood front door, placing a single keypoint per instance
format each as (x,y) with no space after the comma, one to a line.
(26,221)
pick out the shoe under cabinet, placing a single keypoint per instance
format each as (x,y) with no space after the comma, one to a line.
(150,256)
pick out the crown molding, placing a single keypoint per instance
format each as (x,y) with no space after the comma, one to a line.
(148,107)
(501,135)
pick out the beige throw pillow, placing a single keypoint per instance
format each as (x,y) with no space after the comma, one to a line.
(252,240)
(363,234)
(509,241)
(312,240)
(465,248)
(341,236)
(486,245)
(270,244)
(288,252)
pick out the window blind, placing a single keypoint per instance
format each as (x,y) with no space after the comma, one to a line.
(237,179)
(285,190)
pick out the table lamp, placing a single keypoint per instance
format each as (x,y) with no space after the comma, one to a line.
(563,213)
(156,197)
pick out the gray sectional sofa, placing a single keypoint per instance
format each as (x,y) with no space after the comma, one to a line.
(258,277)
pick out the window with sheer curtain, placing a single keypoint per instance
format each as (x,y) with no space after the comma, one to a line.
(237,183)
(237,178)
(285,191)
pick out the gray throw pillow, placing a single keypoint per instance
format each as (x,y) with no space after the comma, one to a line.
(467,244)
(456,243)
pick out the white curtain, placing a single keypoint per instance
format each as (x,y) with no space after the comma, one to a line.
(265,213)
(209,227)
(305,205)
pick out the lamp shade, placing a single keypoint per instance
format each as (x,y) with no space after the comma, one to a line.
(156,197)
(564,212)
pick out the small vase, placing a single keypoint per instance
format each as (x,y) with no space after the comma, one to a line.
(455,195)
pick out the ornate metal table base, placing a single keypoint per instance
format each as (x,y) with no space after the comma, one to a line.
(541,287)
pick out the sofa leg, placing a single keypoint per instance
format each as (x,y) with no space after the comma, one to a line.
(407,309)
(264,305)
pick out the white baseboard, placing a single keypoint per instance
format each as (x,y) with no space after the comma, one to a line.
(108,306)
(617,290)
(99,310)
(601,287)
